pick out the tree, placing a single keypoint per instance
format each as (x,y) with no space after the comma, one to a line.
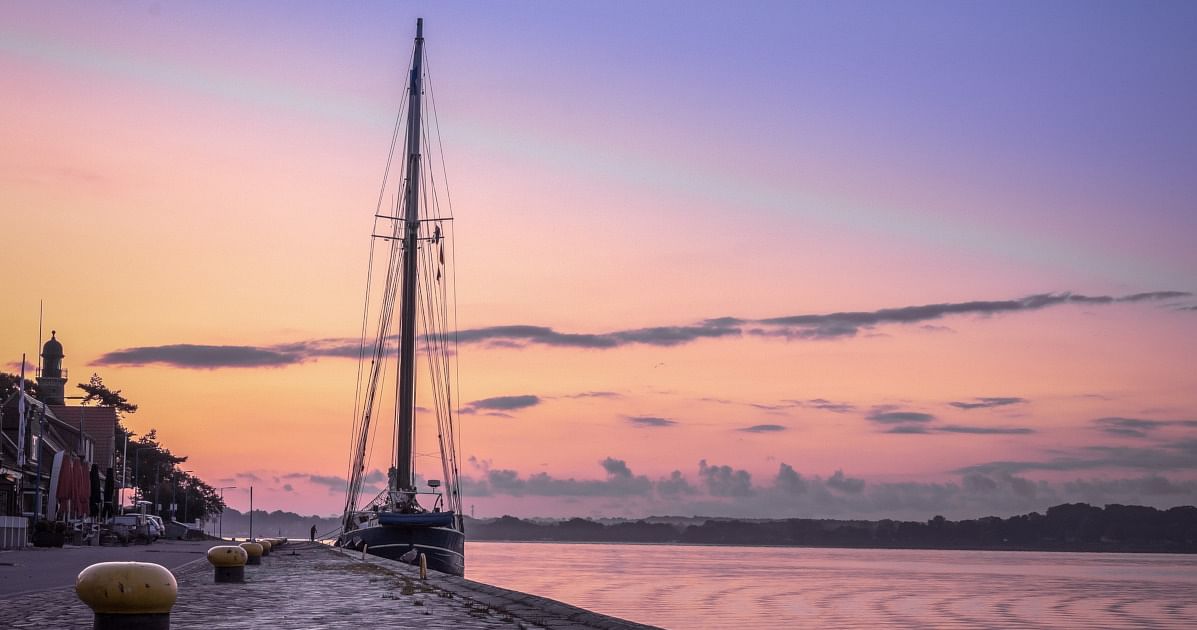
(98,392)
(156,473)
(10,382)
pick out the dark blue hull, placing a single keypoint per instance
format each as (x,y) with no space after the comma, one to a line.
(443,547)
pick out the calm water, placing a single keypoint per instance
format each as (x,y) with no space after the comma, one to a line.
(720,587)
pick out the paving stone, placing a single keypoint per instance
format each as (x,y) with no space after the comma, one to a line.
(304,585)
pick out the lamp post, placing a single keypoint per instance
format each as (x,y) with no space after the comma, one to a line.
(137,466)
(175,511)
(221,518)
(41,436)
(157,488)
(124,467)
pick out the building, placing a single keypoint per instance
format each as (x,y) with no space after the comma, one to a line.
(53,432)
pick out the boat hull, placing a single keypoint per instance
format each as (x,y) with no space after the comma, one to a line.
(443,547)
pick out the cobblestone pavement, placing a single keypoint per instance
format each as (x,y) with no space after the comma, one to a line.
(304,585)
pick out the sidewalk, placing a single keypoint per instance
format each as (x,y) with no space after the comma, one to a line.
(304,585)
(36,569)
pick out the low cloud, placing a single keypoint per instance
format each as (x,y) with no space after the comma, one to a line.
(842,483)
(1174,456)
(827,405)
(908,429)
(987,402)
(726,491)
(958,428)
(16,366)
(784,406)
(851,323)
(650,421)
(763,428)
(620,482)
(329,481)
(1137,427)
(200,356)
(503,403)
(663,336)
(919,429)
(883,415)
(724,481)
(837,325)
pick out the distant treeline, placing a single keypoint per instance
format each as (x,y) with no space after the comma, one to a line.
(276,523)
(1068,527)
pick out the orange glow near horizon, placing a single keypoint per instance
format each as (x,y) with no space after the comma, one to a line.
(165,183)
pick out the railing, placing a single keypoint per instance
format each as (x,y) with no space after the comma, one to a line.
(62,372)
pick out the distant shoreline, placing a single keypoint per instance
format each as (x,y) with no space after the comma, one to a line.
(1074,527)
(778,546)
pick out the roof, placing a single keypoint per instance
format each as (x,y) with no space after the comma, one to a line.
(72,415)
(99,423)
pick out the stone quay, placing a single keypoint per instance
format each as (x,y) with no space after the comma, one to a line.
(308,585)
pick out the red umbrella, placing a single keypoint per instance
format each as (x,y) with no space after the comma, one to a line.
(62,493)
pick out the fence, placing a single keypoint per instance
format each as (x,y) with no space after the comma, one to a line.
(14,532)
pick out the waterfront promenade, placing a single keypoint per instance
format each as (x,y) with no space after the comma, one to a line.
(301,585)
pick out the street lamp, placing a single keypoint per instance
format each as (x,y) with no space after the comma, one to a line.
(124,468)
(137,466)
(222,489)
(175,511)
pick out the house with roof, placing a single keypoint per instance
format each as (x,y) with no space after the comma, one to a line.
(42,461)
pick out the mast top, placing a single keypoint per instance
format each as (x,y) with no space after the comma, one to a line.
(419,28)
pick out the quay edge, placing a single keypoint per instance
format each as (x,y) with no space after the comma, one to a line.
(532,609)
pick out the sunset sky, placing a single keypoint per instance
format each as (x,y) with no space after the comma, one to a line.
(852,259)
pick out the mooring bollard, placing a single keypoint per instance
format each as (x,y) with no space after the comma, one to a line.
(423,567)
(229,561)
(266,546)
(128,595)
(255,552)
(364,545)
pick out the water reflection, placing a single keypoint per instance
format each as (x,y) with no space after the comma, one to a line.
(715,587)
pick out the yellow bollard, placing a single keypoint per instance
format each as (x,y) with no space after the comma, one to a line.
(229,562)
(266,546)
(254,550)
(423,567)
(128,595)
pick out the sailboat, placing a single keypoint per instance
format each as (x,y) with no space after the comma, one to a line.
(413,515)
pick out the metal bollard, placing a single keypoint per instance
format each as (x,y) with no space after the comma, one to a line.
(255,552)
(364,545)
(128,595)
(229,561)
(423,567)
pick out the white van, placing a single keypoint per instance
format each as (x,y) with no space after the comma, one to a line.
(131,528)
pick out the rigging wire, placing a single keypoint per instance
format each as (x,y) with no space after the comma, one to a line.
(360,433)
(456,488)
(435,316)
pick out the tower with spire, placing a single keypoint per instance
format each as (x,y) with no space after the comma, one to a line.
(51,381)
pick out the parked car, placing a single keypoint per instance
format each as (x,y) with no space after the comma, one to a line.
(131,528)
(157,527)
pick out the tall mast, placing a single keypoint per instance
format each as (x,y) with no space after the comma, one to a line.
(405,430)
